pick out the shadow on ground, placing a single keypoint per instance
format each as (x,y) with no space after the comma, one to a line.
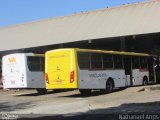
(94,93)
(37,94)
(149,110)
(8,107)
(34,94)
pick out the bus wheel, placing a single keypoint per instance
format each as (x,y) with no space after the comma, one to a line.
(85,92)
(145,81)
(109,86)
(41,91)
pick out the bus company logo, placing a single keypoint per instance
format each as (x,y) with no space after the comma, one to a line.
(97,75)
(12,60)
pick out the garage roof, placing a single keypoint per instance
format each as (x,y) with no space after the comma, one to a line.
(131,19)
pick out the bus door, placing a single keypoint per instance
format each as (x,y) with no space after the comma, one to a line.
(128,70)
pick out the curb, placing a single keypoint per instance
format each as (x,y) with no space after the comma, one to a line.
(150,88)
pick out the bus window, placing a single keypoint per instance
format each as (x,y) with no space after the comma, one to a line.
(135,62)
(117,62)
(34,63)
(83,60)
(107,61)
(143,62)
(96,61)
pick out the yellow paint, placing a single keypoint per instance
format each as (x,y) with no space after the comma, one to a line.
(59,65)
(114,52)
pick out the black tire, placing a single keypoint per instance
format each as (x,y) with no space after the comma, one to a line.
(109,86)
(41,91)
(145,81)
(85,92)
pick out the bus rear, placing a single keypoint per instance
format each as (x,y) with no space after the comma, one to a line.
(13,73)
(60,69)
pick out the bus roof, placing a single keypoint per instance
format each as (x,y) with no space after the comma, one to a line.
(27,54)
(114,52)
(105,51)
(39,55)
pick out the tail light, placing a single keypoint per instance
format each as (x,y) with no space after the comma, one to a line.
(72,77)
(47,78)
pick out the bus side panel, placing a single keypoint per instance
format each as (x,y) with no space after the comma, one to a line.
(35,71)
(97,79)
(13,72)
(36,80)
(138,76)
(60,67)
(91,79)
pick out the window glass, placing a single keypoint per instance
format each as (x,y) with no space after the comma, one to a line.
(143,62)
(135,62)
(96,61)
(107,61)
(35,63)
(118,62)
(42,63)
(83,60)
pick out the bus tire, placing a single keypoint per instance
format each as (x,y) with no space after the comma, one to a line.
(85,92)
(41,91)
(109,85)
(145,80)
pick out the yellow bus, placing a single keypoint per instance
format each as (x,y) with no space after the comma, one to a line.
(85,69)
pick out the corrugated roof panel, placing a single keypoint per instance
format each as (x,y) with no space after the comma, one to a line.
(125,20)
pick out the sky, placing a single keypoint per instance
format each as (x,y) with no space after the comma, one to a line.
(20,11)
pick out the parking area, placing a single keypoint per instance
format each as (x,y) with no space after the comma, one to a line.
(69,104)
